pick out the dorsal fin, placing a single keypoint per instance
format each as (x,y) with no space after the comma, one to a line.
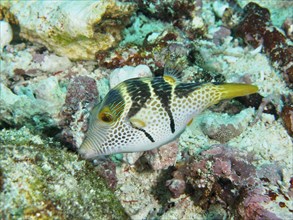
(174,67)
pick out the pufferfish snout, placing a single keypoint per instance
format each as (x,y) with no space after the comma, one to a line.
(141,114)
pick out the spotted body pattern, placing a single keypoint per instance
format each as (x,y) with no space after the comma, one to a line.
(144,113)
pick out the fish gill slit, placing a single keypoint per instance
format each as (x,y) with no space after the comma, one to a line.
(93,142)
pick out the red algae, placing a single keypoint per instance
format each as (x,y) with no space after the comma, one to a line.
(287,116)
(256,29)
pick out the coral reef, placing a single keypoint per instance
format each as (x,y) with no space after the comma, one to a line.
(77,31)
(279,10)
(40,180)
(36,84)
(32,92)
(152,54)
(232,161)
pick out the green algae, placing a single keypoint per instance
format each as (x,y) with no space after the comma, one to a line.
(40,180)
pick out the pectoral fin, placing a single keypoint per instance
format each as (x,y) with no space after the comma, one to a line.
(137,123)
(190,122)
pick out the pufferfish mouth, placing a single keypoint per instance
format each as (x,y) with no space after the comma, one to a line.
(92,145)
(86,151)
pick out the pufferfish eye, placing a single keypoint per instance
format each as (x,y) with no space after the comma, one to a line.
(106,117)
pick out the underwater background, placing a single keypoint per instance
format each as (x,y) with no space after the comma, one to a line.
(60,58)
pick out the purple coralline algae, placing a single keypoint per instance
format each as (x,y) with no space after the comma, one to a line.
(222,175)
(81,94)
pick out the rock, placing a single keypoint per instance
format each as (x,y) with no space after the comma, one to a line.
(49,91)
(6,34)
(177,185)
(158,159)
(53,63)
(32,104)
(220,35)
(39,180)
(220,7)
(76,30)
(224,127)
(128,72)
(131,158)
(163,157)
(288,27)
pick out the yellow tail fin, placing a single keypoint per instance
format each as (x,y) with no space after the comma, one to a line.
(232,90)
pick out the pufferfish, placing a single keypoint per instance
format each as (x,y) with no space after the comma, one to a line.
(141,114)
